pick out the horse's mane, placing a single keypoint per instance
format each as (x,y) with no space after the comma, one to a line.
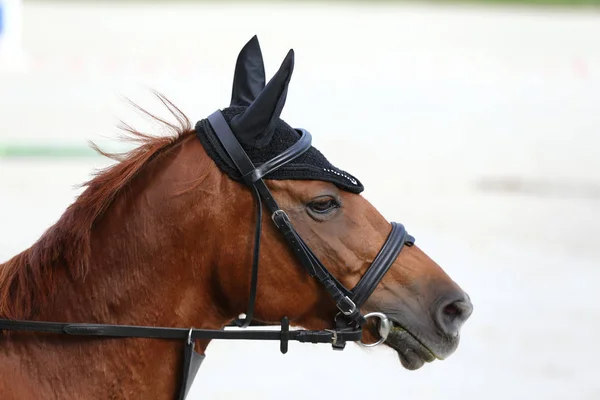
(29,276)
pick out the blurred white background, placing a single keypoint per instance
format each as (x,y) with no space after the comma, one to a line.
(477,127)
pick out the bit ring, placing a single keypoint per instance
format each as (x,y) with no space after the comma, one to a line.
(385,326)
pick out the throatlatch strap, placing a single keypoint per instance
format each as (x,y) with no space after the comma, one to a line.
(256,256)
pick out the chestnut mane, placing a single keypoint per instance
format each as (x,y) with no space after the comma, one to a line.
(29,277)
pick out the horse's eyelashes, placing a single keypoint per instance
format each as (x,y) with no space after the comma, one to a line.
(324,206)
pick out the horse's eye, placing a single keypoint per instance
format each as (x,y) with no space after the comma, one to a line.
(323,206)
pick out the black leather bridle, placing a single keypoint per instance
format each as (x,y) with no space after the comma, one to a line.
(347,301)
(348,322)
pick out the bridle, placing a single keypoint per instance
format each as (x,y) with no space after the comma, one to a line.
(349,321)
(347,301)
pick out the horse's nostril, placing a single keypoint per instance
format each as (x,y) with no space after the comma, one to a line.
(452,314)
(452,310)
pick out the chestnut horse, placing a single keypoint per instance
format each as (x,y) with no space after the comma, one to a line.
(164,237)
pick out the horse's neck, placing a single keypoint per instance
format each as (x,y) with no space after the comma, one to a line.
(144,267)
(147,267)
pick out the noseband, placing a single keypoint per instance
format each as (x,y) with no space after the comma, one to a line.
(348,322)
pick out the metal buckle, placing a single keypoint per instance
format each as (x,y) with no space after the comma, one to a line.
(385,326)
(351,305)
(285,217)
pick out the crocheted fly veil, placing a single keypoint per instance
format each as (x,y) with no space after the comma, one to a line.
(254,118)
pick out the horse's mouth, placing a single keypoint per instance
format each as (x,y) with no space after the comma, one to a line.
(412,352)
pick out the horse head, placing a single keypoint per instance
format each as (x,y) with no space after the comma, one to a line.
(342,229)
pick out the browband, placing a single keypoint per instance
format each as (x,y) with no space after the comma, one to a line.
(232,146)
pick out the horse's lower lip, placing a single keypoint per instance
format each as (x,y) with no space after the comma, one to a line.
(412,353)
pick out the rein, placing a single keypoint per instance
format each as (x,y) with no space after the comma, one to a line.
(349,321)
(150,332)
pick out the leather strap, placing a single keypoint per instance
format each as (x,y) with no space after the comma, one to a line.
(79,329)
(255,257)
(314,267)
(191,364)
(232,146)
(382,263)
(191,359)
(301,146)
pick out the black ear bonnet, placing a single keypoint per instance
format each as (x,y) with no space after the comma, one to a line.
(254,119)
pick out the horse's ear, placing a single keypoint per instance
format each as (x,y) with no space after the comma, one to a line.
(249,78)
(255,126)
